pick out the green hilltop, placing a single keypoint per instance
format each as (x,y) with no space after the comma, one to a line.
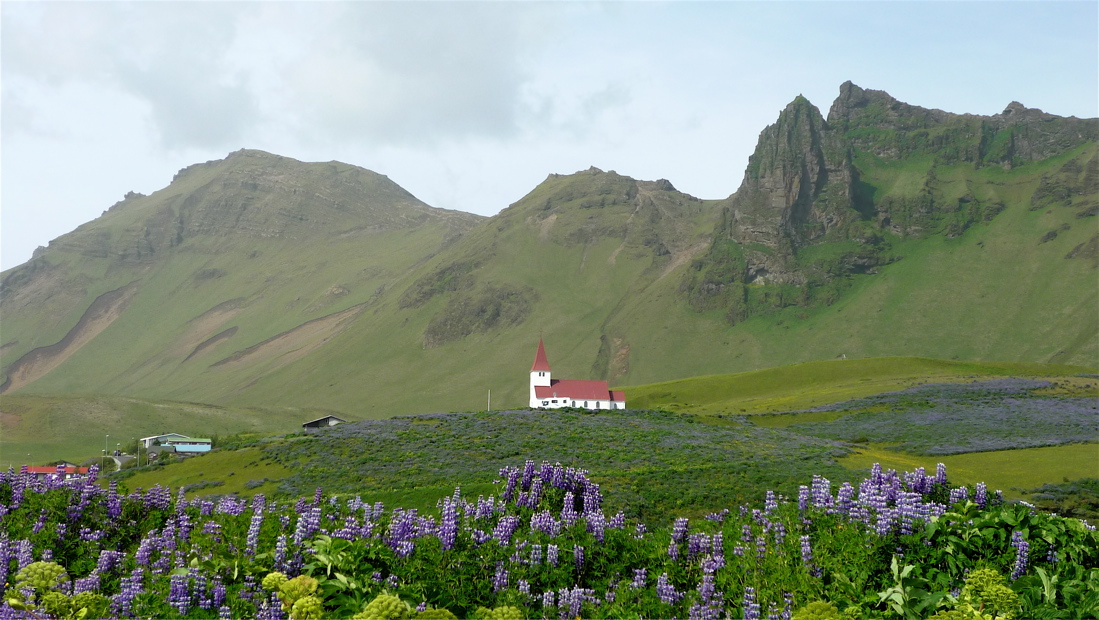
(259,281)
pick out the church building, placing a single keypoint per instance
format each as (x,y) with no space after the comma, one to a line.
(549,393)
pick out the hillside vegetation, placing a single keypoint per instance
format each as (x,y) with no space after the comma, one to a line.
(260,281)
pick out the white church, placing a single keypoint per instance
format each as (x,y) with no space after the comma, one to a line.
(548,393)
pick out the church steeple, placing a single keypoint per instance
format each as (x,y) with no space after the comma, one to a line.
(540,361)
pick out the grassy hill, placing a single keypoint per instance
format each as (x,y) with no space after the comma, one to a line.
(259,281)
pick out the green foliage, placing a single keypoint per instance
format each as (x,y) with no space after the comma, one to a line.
(817,610)
(1078,498)
(503,612)
(385,607)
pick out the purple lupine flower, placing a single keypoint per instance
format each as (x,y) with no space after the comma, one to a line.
(980,494)
(751,607)
(548,600)
(505,527)
(778,529)
(129,588)
(803,498)
(544,522)
(224,613)
(959,494)
(940,474)
(618,521)
(24,555)
(844,498)
(535,555)
(308,524)
(404,548)
(1051,555)
(717,517)
(639,530)
(179,595)
(807,556)
(679,530)
(770,503)
(761,546)
(717,549)
(500,578)
(697,544)
(392,581)
(280,554)
(568,510)
(551,555)
(640,576)
(596,523)
(524,587)
(666,591)
(572,600)
(448,529)
(578,557)
(821,492)
(1022,551)
(86,584)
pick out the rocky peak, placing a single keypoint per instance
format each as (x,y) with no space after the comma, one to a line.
(796,162)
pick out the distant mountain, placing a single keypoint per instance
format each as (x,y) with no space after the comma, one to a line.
(885,229)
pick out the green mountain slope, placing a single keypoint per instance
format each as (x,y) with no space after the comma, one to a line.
(882,230)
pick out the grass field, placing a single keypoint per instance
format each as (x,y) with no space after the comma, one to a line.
(243,472)
(803,386)
(1011,471)
(38,429)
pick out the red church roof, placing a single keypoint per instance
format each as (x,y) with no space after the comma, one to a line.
(540,361)
(579,390)
(52,469)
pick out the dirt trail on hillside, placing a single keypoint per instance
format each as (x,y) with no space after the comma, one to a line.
(296,343)
(99,315)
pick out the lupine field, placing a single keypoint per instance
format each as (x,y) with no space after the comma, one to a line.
(893,545)
(954,418)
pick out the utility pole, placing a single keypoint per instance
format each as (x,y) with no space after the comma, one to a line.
(490,400)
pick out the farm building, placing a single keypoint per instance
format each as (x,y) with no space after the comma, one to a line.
(150,441)
(549,393)
(181,444)
(325,422)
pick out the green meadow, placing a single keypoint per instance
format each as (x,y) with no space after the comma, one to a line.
(802,386)
(1012,471)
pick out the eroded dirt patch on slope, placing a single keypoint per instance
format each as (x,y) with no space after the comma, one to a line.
(295,343)
(202,329)
(99,315)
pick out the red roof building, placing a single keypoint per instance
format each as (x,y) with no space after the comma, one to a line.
(53,470)
(549,393)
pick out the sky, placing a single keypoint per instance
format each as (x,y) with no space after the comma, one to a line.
(470,105)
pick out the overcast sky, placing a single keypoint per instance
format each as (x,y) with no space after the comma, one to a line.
(470,105)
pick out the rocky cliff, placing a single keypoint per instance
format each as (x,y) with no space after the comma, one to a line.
(822,199)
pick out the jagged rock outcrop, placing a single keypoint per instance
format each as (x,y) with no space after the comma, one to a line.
(805,186)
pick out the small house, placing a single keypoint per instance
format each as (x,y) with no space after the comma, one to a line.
(189,445)
(326,421)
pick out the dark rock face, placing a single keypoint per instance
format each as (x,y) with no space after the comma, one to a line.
(797,188)
(804,187)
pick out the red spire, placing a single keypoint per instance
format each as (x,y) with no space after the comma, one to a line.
(540,361)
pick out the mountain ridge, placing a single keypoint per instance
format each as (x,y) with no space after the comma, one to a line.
(329,286)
